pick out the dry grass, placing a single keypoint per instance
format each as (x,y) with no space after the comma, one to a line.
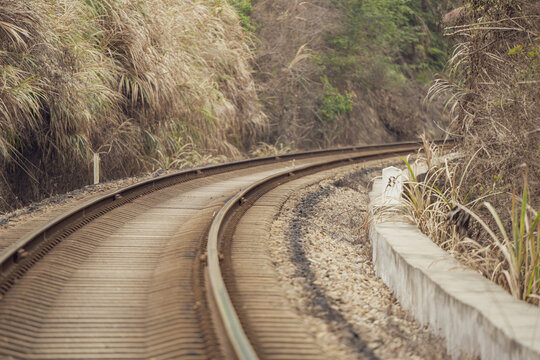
(144,83)
(469,227)
(494,89)
(263,149)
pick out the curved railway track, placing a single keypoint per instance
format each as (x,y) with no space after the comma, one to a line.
(167,268)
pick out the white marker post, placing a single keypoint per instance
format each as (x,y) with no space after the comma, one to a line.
(392,185)
(96,168)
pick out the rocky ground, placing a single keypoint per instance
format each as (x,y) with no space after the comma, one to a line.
(320,247)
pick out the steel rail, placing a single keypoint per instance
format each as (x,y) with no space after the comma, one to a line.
(17,258)
(25,252)
(230,322)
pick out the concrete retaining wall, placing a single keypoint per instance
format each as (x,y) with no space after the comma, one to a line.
(472,313)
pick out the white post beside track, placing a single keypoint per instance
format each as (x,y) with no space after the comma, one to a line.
(96,168)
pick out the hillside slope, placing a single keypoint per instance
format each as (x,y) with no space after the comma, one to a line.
(148,84)
(495,91)
(348,71)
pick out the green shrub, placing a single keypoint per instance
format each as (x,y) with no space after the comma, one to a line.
(403,33)
(244,9)
(333,104)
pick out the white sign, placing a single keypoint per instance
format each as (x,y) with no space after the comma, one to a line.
(392,184)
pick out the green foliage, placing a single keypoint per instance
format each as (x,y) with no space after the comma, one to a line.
(515,50)
(530,52)
(334,104)
(244,9)
(378,35)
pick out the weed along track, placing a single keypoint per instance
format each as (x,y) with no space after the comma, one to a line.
(168,268)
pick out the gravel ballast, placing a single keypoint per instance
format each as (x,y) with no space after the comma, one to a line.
(321,251)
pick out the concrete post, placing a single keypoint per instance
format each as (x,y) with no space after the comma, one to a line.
(96,168)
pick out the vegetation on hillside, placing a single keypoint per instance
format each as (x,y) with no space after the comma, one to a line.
(159,83)
(377,55)
(145,83)
(244,10)
(494,82)
(385,42)
(483,206)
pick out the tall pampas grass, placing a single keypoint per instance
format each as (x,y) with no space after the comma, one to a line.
(122,78)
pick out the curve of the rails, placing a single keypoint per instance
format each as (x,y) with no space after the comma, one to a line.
(25,253)
(235,336)
(22,254)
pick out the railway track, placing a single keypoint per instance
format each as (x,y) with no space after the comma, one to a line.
(167,268)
